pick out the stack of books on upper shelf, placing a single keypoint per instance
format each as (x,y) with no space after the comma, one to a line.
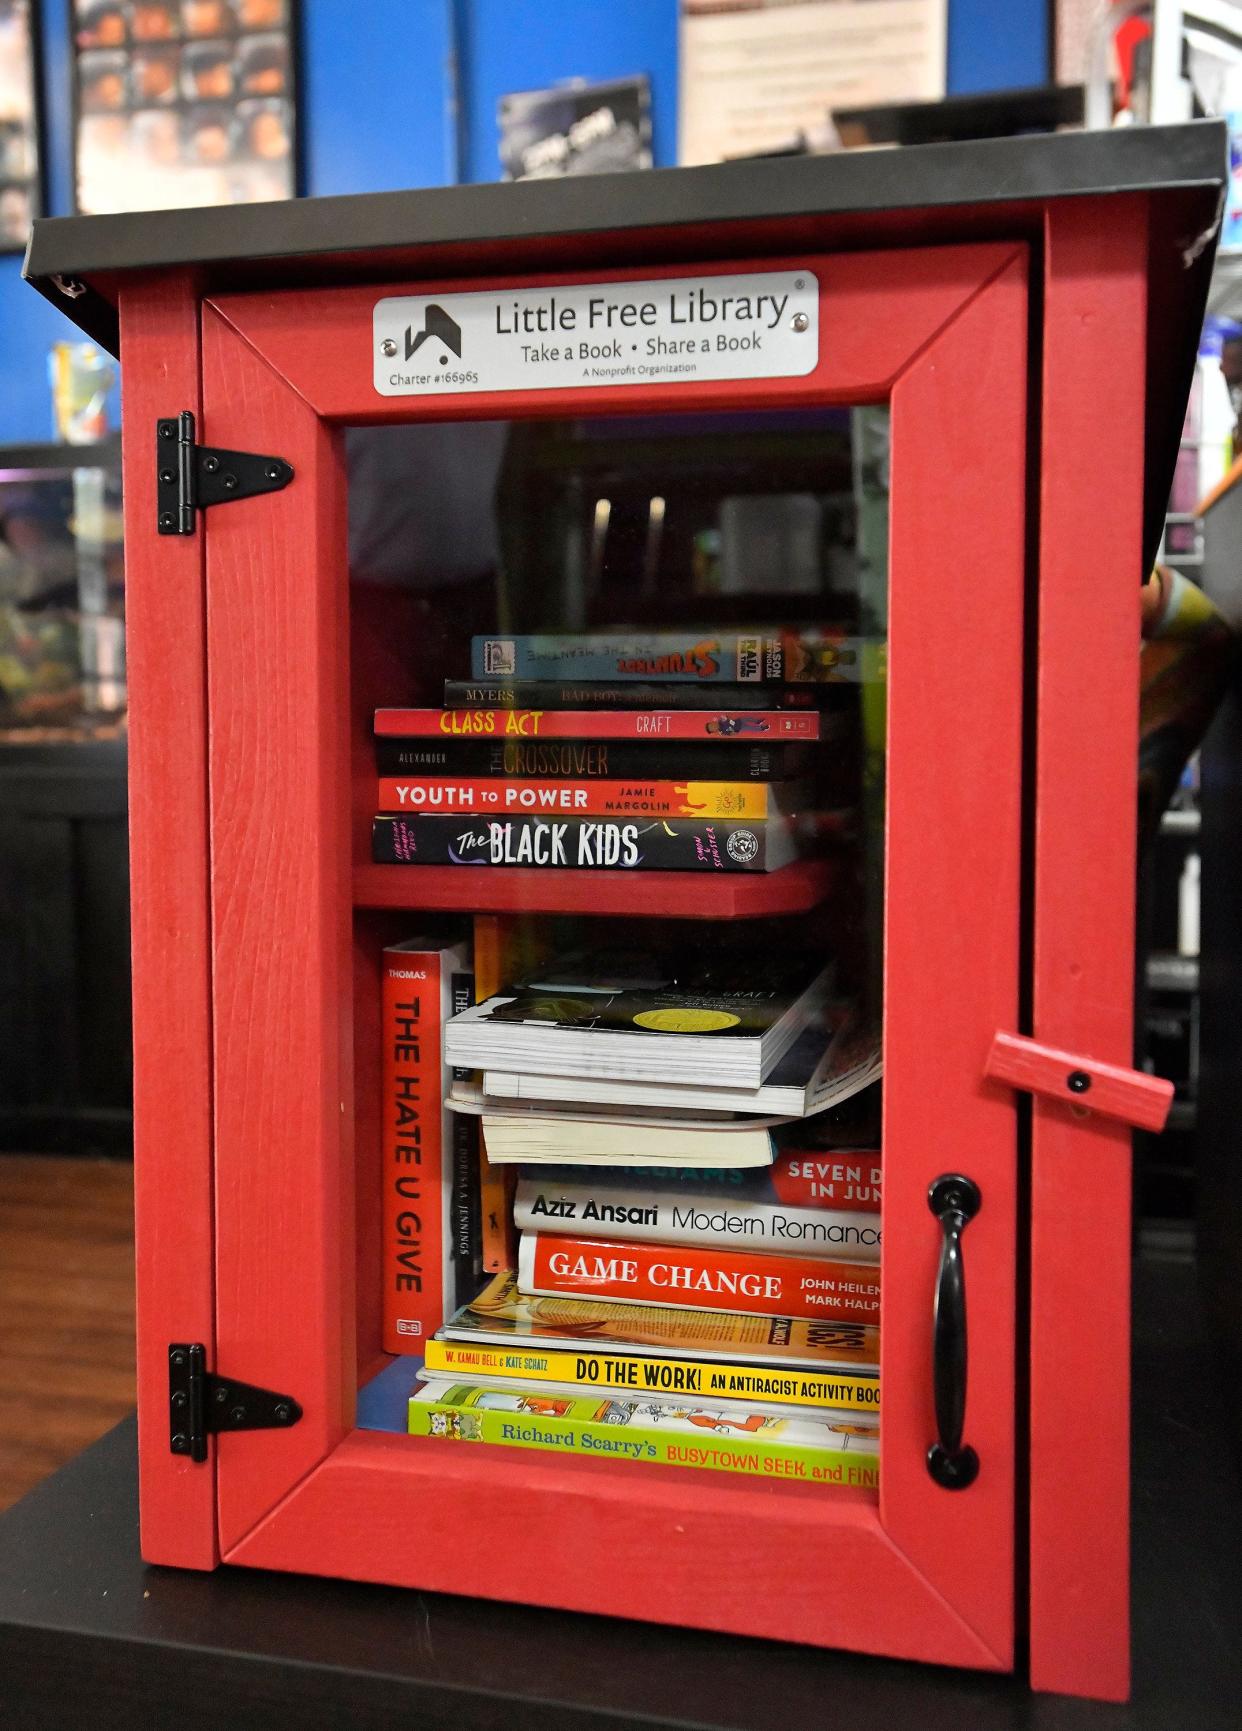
(624,753)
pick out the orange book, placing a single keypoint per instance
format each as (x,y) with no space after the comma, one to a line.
(694,1277)
(418,1216)
(496,1184)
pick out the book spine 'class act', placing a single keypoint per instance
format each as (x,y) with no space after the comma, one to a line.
(666,1376)
(487,797)
(563,694)
(724,1442)
(594,1205)
(419,1231)
(606,844)
(646,724)
(592,759)
(692,1276)
(778,657)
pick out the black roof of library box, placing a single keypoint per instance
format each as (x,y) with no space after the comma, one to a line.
(922,194)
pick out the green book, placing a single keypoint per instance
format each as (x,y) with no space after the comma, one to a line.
(834,1448)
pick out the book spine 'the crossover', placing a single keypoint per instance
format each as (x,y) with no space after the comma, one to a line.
(697,1379)
(653,1216)
(603,844)
(690,1276)
(420,1286)
(592,759)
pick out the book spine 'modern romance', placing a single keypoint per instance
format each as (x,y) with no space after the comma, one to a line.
(593,1205)
(642,724)
(664,1376)
(492,797)
(419,1235)
(603,844)
(690,1276)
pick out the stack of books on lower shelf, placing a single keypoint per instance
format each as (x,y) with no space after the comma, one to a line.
(680,771)
(682,1272)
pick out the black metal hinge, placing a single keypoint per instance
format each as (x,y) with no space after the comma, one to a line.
(201,1405)
(189,476)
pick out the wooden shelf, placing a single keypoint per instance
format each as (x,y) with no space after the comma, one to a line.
(669,895)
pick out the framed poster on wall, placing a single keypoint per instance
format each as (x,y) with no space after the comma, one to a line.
(19,131)
(184,102)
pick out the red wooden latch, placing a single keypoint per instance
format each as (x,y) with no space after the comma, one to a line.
(1110,1089)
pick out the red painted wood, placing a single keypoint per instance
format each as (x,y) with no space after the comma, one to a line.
(662,1544)
(321,339)
(1135,1098)
(164,605)
(673,895)
(933,1576)
(952,925)
(1086,777)
(278,695)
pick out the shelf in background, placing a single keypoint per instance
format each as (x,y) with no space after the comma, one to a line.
(668,895)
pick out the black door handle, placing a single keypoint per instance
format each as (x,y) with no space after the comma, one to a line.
(954,1201)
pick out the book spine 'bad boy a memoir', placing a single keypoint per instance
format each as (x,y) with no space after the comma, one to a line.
(681,844)
(700,1277)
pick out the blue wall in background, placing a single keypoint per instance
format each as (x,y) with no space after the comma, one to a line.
(379,108)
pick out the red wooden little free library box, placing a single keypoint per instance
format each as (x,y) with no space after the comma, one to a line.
(1017,321)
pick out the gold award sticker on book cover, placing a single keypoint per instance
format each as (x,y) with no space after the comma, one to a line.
(686,1021)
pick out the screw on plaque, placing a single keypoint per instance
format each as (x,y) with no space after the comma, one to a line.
(800,321)
(388,347)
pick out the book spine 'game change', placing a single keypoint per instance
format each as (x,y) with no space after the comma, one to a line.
(420,1230)
(602,844)
(641,724)
(697,1276)
(651,1375)
(832,1448)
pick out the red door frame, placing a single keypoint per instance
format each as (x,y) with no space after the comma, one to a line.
(930,1573)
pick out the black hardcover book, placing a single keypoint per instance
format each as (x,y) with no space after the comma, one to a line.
(593,759)
(579,843)
(565,694)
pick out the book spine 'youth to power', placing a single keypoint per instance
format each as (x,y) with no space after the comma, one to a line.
(644,724)
(775,657)
(692,1276)
(836,1448)
(591,694)
(419,1236)
(490,797)
(604,844)
(592,759)
(592,1205)
(664,1376)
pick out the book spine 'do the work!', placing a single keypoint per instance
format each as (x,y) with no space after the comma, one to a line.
(690,1276)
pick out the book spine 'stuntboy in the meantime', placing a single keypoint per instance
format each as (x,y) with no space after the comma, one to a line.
(646,724)
(491,797)
(594,1205)
(593,759)
(690,1276)
(606,844)
(697,1379)
(564,694)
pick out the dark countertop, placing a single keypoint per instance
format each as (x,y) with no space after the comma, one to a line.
(89,1635)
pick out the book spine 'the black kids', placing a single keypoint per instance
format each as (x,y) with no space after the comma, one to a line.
(605,844)
(592,759)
